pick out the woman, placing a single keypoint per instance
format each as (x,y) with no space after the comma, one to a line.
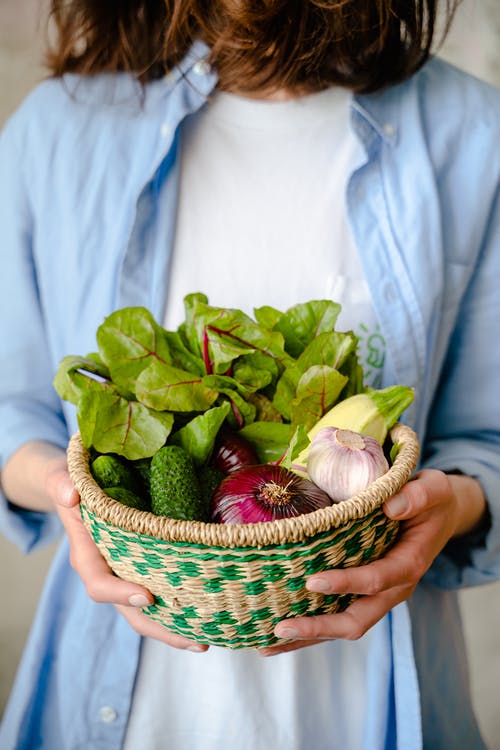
(303,150)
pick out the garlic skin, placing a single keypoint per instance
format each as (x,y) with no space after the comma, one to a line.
(343,462)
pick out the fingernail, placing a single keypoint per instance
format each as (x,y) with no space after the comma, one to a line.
(139,600)
(397,505)
(319,585)
(286,632)
(66,493)
(196,649)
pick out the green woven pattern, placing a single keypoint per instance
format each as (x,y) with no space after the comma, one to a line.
(234,597)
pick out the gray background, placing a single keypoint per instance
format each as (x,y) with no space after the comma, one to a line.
(473,45)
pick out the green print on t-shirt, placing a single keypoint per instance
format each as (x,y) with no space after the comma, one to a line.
(371,351)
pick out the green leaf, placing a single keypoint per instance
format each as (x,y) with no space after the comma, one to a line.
(166,388)
(286,389)
(270,439)
(267,316)
(352,369)
(301,323)
(198,436)
(265,411)
(298,442)
(129,340)
(225,383)
(318,389)
(222,335)
(181,355)
(112,424)
(255,370)
(331,349)
(75,376)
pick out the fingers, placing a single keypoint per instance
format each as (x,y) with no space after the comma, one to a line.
(350,625)
(403,565)
(148,628)
(59,486)
(286,647)
(426,490)
(100,582)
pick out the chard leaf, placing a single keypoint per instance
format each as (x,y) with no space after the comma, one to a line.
(225,384)
(166,388)
(193,303)
(197,437)
(255,370)
(301,323)
(112,424)
(242,411)
(223,349)
(318,389)
(330,348)
(286,388)
(352,369)
(129,340)
(298,442)
(270,439)
(222,335)
(265,411)
(181,355)
(75,375)
(267,316)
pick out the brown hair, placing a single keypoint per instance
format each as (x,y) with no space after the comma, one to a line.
(300,45)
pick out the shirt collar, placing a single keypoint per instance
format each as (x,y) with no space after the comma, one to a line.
(379,114)
(375,116)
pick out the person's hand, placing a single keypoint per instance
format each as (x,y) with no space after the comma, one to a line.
(99,581)
(433,508)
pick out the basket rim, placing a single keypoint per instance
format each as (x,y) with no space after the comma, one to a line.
(283,531)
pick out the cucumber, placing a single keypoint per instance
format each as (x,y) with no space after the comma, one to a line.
(110,471)
(128,498)
(209,478)
(175,489)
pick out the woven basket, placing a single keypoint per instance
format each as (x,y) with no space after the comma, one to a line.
(228,585)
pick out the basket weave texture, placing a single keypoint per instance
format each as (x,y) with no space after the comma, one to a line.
(230,584)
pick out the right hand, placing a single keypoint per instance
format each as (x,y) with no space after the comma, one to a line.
(99,580)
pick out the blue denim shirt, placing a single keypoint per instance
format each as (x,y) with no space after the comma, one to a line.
(88,187)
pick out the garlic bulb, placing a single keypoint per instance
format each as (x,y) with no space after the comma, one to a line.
(343,462)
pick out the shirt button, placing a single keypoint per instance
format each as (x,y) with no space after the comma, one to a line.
(202,68)
(107,714)
(389,129)
(165,130)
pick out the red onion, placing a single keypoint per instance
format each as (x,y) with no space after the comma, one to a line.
(265,492)
(232,452)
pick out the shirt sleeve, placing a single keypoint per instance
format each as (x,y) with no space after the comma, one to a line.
(464,428)
(29,406)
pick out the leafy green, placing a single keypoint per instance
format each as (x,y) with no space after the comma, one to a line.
(270,377)
(297,443)
(270,439)
(74,376)
(303,322)
(111,424)
(198,436)
(317,390)
(167,388)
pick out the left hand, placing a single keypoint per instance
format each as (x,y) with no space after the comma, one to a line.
(433,507)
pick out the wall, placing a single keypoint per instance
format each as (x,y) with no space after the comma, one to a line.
(473,45)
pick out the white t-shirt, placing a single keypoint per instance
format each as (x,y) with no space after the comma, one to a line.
(262,220)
